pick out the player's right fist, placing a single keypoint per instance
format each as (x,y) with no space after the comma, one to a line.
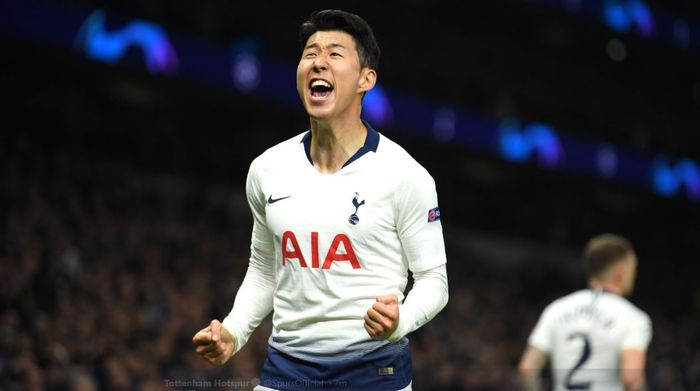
(214,343)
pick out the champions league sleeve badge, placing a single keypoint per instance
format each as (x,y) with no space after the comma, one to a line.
(434,214)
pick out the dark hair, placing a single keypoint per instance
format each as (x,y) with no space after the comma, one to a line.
(337,20)
(602,251)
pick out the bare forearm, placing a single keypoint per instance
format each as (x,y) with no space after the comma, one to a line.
(530,380)
(531,364)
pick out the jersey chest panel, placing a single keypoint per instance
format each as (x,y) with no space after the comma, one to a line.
(326,214)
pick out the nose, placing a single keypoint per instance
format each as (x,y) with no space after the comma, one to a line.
(320,63)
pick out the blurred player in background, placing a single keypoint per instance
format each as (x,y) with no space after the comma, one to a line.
(341,214)
(596,339)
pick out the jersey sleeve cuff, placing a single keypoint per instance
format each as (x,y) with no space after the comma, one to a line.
(238,340)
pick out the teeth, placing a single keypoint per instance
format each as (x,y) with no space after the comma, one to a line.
(320,83)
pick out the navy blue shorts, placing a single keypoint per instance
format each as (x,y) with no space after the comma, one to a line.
(387,368)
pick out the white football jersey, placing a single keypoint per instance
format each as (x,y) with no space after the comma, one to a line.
(584,333)
(338,241)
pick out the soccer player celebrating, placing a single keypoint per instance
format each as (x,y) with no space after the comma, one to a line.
(341,214)
(596,338)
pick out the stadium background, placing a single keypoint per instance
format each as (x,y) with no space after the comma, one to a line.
(124,226)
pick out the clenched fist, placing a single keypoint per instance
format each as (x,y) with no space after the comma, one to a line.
(382,318)
(214,343)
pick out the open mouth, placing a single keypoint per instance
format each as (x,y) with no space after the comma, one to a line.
(320,88)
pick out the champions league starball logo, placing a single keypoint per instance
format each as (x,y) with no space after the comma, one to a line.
(111,45)
(353,219)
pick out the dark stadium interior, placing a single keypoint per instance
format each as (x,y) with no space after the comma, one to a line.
(124,226)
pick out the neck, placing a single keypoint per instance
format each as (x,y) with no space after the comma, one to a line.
(607,286)
(334,142)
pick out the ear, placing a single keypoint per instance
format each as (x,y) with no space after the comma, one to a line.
(368,78)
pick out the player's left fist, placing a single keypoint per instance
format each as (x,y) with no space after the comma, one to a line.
(382,318)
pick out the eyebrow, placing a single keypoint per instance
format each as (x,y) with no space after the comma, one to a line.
(329,46)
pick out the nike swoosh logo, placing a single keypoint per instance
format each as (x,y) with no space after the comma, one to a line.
(271,200)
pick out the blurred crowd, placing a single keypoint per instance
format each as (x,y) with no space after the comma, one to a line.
(109,269)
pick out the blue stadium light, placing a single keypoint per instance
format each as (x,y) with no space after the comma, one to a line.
(110,46)
(445,124)
(376,107)
(512,144)
(246,72)
(642,17)
(606,161)
(668,179)
(615,16)
(245,67)
(537,138)
(681,33)
(626,16)
(623,15)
